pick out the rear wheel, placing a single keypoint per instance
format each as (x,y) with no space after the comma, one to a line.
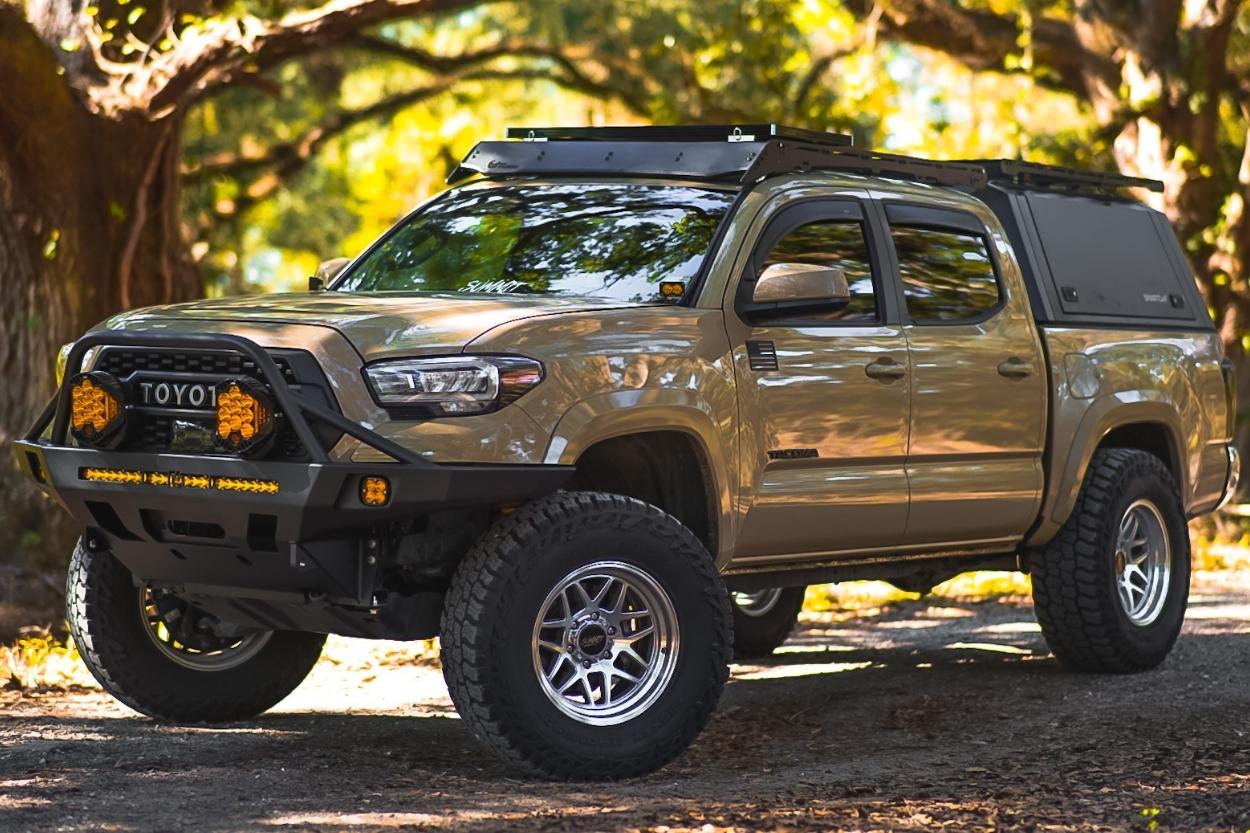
(163,658)
(586,636)
(1110,589)
(763,619)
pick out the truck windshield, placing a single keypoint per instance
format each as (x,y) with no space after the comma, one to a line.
(614,240)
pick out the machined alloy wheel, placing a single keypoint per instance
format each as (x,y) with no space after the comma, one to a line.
(1110,588)
(163,657)
(1143,563)
(605,643)
(171,625)
(758,603)
(586,636)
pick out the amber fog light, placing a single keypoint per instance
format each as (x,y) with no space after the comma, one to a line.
(245,416)
(374,491)
(96,410)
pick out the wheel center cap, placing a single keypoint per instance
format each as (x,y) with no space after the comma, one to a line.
(592,640)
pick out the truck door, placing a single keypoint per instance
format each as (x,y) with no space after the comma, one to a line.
(978,406)
(823,398)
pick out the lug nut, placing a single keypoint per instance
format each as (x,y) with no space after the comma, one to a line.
(585,663)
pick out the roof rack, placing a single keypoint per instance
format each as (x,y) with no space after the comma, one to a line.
(782,157)
(746,153)
(681,133)
(1017,172)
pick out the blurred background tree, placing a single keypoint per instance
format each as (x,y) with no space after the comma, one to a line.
(152,152)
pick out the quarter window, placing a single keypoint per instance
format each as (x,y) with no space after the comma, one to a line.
(832,243)
(947,275)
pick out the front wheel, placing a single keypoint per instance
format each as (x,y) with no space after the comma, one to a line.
(1110,589)
(586,636)
(163,658)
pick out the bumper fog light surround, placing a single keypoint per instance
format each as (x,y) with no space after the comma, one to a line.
(245,416)
(97,414)
(374,491)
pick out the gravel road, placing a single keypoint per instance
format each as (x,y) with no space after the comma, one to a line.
(914,716)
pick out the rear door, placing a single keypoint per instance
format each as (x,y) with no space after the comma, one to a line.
(978,401)
(823,399)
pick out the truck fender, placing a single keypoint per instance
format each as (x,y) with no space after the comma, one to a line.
(623,412)
(1105,414)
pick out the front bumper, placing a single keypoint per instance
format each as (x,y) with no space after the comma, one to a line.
(286,545)
(1232,478)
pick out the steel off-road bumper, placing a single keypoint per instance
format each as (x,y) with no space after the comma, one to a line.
(281,545)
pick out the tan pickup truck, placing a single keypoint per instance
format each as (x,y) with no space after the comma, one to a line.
(596,415)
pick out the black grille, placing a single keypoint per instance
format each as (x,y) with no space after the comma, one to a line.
(121,363)
(156,432)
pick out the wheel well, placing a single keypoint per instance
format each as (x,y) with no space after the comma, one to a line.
(1151,437)
(667,469)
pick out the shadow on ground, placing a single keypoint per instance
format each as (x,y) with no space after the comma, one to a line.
(912,717)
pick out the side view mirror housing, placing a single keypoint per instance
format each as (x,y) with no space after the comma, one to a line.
(785,289)
(326,272)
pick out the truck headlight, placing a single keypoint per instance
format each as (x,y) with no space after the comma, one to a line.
(452,385)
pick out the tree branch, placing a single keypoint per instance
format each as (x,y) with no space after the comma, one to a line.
(571,75)
(983,40)
(217,52)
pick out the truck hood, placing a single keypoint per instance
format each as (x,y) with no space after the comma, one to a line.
(378,324)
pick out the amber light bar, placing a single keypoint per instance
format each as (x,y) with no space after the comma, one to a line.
(178,480)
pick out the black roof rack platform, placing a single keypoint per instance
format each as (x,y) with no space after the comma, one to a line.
(747,153)
(681,133)
(1017,172)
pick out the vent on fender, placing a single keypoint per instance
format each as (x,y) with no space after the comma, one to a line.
(761,355)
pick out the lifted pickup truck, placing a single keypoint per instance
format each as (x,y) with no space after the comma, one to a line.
(596,415)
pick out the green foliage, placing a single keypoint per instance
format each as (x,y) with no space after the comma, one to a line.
(277,178)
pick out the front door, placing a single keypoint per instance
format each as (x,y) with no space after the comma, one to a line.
(978,407)
(823,398)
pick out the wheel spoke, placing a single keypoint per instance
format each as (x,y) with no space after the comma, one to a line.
(631,638)
(585,600)
(597,601)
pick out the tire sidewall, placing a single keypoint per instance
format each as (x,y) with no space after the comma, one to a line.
(599,536)
(1145,643)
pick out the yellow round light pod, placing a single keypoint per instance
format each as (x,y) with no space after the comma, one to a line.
(97,411)
(245,416)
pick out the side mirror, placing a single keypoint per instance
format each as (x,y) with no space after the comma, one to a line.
(799,288)
(327,272)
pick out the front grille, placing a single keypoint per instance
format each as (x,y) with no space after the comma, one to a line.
(147,431)
(121,363)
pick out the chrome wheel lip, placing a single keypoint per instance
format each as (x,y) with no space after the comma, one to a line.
(1143,563)
(246,648)
(757,603)
(649,630)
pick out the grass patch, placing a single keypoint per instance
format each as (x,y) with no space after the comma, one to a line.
(859,595)
(40,661)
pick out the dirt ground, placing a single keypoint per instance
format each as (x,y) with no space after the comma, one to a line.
(915,716)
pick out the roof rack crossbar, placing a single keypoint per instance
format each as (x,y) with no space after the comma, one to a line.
(681,133)
(1033,173)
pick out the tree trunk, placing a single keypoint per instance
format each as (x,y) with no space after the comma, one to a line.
(89,225)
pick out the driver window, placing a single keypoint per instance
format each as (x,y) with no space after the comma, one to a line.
(838,243)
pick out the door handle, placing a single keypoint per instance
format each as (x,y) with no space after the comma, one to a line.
(1015,368)
(886,370)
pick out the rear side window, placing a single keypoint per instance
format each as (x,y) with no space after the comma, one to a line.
(947,275)
(835,243)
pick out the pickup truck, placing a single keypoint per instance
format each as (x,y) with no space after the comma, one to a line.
(597,414)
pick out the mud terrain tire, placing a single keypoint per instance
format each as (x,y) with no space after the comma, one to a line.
(498,605)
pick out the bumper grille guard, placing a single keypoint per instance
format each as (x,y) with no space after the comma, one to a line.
(297,410)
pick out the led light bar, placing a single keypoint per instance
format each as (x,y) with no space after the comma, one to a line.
(177,480)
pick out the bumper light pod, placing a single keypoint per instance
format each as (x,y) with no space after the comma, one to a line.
(374,491)
(245,416)
(97,414)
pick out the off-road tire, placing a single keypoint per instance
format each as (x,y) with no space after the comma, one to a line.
(758,635)
(1074,578)
(102,605)
(489,616)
